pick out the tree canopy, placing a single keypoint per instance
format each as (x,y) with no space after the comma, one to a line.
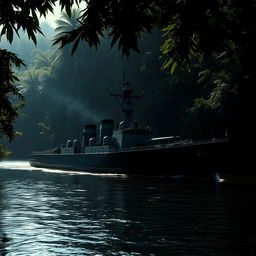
(192,28)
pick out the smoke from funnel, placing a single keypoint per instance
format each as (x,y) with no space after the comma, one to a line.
(72,105)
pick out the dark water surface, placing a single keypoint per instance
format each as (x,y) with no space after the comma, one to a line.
(63,213)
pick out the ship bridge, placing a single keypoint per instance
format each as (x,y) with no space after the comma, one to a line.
(129,134)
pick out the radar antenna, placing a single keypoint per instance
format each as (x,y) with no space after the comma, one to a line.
(127,101)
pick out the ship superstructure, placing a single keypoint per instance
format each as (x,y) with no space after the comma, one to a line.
(127,135)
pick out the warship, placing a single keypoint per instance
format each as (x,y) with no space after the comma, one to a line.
(129,148)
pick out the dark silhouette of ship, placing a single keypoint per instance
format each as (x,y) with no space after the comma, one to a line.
(132,149)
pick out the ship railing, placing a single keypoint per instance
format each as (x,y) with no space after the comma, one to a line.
(179,143)
(44,153)
(137,148)
(204,141)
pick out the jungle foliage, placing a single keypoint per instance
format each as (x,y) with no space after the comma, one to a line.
(8,109)
(213,39)
(219,32)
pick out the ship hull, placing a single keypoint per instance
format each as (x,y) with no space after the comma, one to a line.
(193,159)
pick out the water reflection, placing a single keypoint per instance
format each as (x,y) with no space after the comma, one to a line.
(56,213)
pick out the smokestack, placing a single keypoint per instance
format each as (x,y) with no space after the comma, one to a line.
(106,129)
(89,132)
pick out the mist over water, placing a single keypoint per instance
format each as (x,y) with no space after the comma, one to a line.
(68,213)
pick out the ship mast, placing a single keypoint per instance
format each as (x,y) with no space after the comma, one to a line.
(127,101)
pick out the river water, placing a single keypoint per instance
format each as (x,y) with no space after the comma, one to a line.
(45,212)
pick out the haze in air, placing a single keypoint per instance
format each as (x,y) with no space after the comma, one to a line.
(63,92)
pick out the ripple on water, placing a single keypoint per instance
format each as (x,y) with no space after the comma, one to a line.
(54,213)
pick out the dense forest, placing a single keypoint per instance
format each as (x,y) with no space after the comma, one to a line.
(201,86)
(63,91)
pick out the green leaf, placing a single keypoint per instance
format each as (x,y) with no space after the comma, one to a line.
(174,65)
